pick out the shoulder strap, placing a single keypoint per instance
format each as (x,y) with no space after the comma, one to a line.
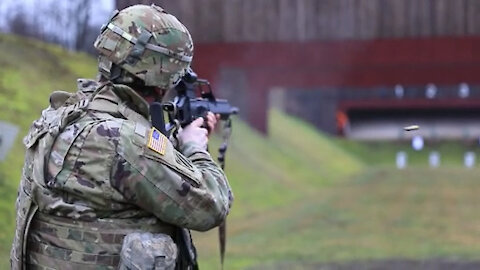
(108,106)
(104,105)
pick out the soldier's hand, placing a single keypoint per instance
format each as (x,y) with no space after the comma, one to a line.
(212,121)
(194,133)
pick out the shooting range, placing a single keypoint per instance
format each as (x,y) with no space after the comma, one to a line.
(358,135)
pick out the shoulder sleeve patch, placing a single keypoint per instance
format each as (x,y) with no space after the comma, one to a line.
(157,141)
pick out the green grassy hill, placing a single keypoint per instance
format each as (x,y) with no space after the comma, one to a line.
(301,198)
(342,201)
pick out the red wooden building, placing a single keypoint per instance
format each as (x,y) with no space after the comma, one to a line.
(341,60)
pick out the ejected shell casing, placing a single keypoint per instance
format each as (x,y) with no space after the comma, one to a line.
(411,128)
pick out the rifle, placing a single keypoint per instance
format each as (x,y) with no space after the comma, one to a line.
(195,99)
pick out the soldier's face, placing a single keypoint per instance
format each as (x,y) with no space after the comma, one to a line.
(156,96)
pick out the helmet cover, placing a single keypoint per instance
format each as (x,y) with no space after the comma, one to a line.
(148,43)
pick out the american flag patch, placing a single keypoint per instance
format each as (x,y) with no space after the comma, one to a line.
(157,141)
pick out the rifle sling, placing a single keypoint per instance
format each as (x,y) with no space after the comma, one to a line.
(222,229)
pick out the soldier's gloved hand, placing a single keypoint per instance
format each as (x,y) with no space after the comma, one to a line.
(211,121)
(194,133)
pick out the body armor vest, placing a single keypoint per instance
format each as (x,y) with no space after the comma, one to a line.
(44,241)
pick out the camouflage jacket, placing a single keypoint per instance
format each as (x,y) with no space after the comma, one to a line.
(109,166)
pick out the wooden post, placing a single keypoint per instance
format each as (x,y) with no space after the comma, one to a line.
(258,102)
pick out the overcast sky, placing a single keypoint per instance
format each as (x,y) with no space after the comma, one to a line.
(101,9)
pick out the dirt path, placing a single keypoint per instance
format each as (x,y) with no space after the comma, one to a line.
(388,264)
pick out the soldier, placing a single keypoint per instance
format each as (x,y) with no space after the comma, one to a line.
(96,172)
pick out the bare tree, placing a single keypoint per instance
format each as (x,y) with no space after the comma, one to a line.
(17,24)
(82,18)
(62,22)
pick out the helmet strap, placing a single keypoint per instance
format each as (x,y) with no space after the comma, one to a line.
(115,73)
(139,48)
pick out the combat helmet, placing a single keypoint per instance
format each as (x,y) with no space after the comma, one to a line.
(147,43)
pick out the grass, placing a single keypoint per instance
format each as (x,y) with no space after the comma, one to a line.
(301,197)
(415,214)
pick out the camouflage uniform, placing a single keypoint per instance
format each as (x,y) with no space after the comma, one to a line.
(90,179)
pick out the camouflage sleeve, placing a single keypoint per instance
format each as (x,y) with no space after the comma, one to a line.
(188,190)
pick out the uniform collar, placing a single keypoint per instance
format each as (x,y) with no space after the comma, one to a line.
(119,93)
